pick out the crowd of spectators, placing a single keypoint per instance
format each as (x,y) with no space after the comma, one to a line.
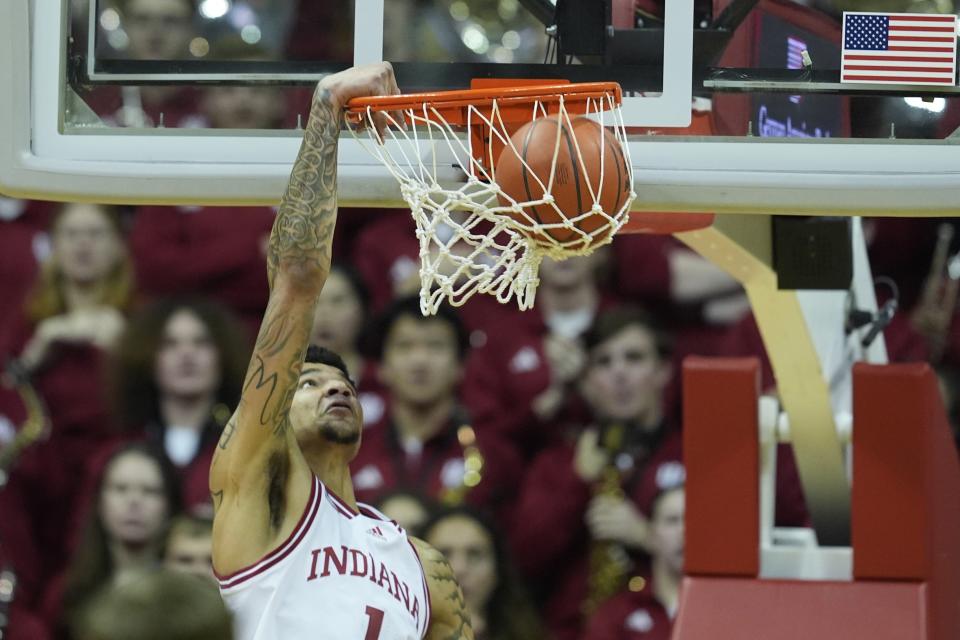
(543,440)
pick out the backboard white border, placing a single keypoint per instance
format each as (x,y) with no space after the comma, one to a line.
(775,176)
(672,107)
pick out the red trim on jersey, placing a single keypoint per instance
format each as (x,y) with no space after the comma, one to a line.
(284,549)
(346,514)
(340,501)
(426,588)
(370,512)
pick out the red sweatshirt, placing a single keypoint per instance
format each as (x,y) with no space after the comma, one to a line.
(22,623)
(215,252)
(383,466)
(506,375)
(386,254)
(23,245)
(630,616)
(43,485)
(550,538)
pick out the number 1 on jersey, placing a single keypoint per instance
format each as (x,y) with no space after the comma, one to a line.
(376,621)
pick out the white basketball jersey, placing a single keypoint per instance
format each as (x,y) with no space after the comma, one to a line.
(340,575)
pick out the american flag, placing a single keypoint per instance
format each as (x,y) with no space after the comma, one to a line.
(899,48)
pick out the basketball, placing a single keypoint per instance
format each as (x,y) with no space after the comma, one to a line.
(535,143)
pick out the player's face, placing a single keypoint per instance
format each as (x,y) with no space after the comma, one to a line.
(325,408)
(190,554)
(158,29)
(187,363)
(133,505)
(625,376)
(244,108)
(567,273)
(469,550)
(421,362)
(85,244)
(666,530)
(339,316)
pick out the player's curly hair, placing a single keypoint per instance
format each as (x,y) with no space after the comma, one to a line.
(322,355)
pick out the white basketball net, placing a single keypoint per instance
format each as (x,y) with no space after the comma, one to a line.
(468,243)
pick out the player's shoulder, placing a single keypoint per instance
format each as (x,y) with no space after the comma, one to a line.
(384,523)
(427,552)
(436,569)
(448,617)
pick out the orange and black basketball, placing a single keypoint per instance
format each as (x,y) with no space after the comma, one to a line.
(535,143)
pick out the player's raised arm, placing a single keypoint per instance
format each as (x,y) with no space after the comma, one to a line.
(259,479)
(449,618)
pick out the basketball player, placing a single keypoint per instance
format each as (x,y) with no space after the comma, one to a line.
(296,556)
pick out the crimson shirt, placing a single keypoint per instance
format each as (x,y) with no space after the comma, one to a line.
(23,245)
(383,466)
(506,374)
(215,252)
(550,538)
(630,616)
(386,254)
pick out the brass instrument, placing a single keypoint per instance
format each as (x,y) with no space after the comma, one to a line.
(473,468)
(32,429)
(609,562)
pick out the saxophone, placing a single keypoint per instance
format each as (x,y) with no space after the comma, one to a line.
(473,468)
(35,426)
(609,562)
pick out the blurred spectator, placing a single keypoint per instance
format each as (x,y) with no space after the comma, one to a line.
(17,621)
(521,380)
(214,252)
(409,510)
(24,245)
(189,545)
(177,379)
(684,291)
(323,32)
(425,443)
(242,106)
(339,325)
(157,30)
(913,253)
(82,291)
(646,609)
(498,605)
(264,23)
(157,605)
(72,316)
(386,254)
(579,531)
(125,529)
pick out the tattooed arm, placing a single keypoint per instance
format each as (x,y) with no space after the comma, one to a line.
(259,481)
(449,618)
